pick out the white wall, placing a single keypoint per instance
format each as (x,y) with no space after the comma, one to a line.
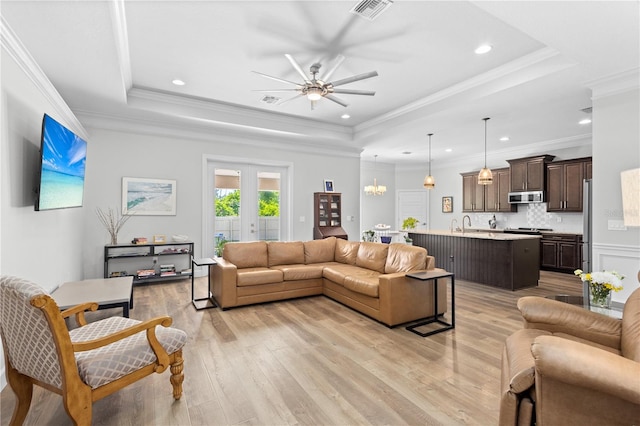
(616,147)
(117,154)
(45,247)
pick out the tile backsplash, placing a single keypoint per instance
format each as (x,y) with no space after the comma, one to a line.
(533,215)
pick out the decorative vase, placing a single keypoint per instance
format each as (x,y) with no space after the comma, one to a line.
(600,298)
(114,239)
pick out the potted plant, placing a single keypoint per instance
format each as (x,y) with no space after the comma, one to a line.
(409,224)
(220,242)
(368,236)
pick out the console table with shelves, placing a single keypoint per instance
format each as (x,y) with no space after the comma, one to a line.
(144,262)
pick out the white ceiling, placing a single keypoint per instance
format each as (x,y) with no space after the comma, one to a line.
(118,58)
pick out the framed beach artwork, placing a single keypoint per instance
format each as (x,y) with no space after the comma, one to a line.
(152,197)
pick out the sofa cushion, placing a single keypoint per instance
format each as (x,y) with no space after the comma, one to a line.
(257,276)
(337,272)
(365,283)
(630,336)
(246,254)
(404,258)
(285,252)
(317,251)
(346,251)
(521,365)
(300,272)
(372,256)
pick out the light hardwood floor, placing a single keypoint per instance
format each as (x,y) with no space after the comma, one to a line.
(313,361)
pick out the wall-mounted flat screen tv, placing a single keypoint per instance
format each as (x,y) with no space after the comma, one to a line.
(62,161)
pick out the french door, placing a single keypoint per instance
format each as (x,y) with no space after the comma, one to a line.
(246,201)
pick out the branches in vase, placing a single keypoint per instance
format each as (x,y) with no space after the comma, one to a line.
(112,221)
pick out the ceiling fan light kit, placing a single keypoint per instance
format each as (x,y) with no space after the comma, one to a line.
(315,88)
(485,177)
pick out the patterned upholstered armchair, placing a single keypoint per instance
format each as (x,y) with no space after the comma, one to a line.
(85,364)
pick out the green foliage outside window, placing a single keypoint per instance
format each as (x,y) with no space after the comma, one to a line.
(229,204)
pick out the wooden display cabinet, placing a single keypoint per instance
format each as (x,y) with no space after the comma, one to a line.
(327,222)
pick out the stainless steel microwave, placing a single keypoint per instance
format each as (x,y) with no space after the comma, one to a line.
(526,197)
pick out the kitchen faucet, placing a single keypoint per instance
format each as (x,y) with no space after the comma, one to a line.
(451,228)
(463,217)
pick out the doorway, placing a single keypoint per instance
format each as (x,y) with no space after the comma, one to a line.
(245,200)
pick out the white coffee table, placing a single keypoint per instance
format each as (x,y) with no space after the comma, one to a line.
(106,292)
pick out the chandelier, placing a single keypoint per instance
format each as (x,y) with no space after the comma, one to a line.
(375,189)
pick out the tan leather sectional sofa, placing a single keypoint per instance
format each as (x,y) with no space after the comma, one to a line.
(368,277)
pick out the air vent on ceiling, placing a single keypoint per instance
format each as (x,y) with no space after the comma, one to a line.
(587,110)
(371,9)
(270,100)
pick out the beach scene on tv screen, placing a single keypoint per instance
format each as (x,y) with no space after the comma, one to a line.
(63,165)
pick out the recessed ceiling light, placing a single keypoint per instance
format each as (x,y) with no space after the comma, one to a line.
(448,150)
(504,139)
(178,82)
(483,48)
(585,121)
(345,116)
(406,152)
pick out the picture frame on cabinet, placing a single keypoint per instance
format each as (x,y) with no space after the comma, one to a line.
(148,197)
(328,185)
(447,204)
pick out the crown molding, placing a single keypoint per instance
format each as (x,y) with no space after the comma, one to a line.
(16,50)
(614,84)
(120,34)
(201,130)
(226,114)
(456,89)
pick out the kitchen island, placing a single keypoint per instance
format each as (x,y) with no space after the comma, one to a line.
(510,261)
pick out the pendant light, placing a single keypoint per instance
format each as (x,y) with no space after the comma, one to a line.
(375,189)
(485,177)
(429,181)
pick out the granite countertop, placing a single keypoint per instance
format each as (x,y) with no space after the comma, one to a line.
(494,235)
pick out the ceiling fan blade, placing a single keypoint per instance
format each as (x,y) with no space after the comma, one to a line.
(333,69)
(354,78)
(276,78)
(290,99)
(276,90)
(297,68)
(336,100)
(354,92)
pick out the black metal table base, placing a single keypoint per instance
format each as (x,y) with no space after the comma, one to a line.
(447,326)
(434,276)
(204,302)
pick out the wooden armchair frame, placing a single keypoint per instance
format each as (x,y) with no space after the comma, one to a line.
(77,396)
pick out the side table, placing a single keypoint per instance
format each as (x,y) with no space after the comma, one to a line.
(435,276)
(204,302)
(106,292)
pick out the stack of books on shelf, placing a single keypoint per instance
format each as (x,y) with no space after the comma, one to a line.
(167,270)
(144,273)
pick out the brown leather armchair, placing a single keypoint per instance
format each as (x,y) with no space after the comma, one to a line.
(572,366)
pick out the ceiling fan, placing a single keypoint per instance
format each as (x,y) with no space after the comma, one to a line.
(317,88)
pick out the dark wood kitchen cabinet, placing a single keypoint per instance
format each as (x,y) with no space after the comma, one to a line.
(565,184)
(528,174)
(561,252)
(472,193)
(496,195)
